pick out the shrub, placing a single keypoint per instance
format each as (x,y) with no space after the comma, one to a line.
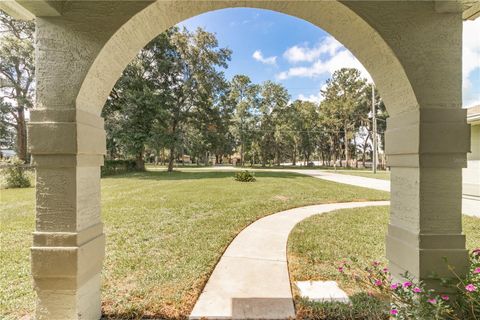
(15,174)
(112,167)
(245,176)
(411,299)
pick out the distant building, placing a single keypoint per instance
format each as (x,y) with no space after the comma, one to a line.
(7,153)
(471,174)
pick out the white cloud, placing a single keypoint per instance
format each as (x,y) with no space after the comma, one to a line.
(306,54)
(471,62)
(311,98)
(471,52)
(257,55)
(341,59)
(314,98)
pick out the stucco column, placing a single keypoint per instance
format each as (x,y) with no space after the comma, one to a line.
(426,150)
(67,145)
(68,242)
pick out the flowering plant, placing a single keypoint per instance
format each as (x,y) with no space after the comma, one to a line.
(468,288)
(410,299)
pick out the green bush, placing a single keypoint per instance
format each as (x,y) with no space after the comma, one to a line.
(245,176)
(112,167)
(15,174)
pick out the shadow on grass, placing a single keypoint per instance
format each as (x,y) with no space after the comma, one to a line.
(189,175)
(133,316)
(362,306)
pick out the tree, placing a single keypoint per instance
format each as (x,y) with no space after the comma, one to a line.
(274,99)
(130,111)
(244,96)
(364,121)
(172,88)
(195,83)
(308,118)
(17,73)
(344,93)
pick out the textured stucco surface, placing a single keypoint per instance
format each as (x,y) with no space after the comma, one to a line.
(408,47)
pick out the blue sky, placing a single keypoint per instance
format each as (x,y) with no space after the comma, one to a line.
(268,45)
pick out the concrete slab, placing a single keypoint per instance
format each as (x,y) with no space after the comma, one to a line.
(251,280)
(326,291)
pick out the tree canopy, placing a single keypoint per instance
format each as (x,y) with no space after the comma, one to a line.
(173,103)
(17,75)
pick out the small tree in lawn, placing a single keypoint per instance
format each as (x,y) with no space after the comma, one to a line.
(17,74)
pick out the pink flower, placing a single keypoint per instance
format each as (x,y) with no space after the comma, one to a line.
(385,270)
(417,290)
(394,312)
(432,301)
(476,251)
(394,286)
(445,298)
(407,284)
(375,263)
(476,271)
(470,287)
(340,269)
(378,283)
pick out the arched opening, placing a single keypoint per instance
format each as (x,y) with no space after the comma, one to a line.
(101,81)
(333,17)
(388,38)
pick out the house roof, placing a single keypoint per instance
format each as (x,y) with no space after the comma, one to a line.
(473,114)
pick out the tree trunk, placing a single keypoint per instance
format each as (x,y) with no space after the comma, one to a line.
(356,157)
(335,160)
(365,149)
(347,153)
(171,158)
(157,157)
(139,162)
(21,135)
(242,153)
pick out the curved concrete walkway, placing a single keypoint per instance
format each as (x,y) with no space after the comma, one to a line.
(371,183)
(470,205)
(251,280)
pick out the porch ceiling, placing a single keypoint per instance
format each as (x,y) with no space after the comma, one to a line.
(28,9)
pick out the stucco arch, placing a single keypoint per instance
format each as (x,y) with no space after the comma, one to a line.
(412,51)
(332,16)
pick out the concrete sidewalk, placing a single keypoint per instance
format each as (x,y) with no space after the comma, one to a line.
(470,205)
(371,183)
(251,280)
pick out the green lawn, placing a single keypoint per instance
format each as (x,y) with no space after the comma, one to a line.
(165,233)
(317,245)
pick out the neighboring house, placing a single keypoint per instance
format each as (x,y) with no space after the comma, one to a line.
(7,154)
(471,175)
